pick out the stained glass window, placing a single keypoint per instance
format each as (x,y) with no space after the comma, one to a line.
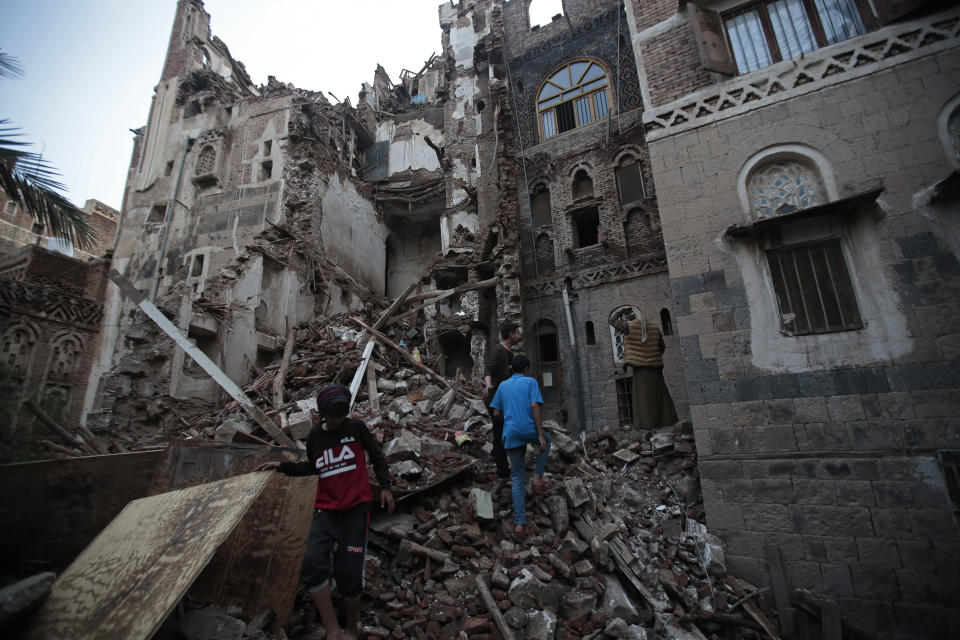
(784,187)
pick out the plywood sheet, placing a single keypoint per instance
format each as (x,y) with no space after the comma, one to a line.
(258,567)
(130,577)
(52,509)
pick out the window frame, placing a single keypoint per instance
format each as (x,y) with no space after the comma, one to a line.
(762,8)
(605,88)
(831,240)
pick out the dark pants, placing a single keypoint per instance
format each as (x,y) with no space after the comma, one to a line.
(337,539)
(499,454)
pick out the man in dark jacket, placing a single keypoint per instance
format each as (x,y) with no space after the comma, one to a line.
(335,453)
(497,370)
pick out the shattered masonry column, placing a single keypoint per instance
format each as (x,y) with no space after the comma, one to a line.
(481,172)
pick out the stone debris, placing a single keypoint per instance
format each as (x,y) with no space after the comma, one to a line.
(22,596)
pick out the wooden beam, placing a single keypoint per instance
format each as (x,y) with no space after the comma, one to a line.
(494,610)
(63,434)
(403,352)
(372,389)
(781,591)
(442,295)
(284,367)
(361,370)
(128,290)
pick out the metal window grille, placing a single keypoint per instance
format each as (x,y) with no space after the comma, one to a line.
(813,288)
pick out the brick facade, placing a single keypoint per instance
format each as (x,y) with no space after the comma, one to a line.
(51,307)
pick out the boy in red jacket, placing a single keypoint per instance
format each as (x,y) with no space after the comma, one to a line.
(335,452)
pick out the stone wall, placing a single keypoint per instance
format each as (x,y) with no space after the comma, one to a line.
(827,445)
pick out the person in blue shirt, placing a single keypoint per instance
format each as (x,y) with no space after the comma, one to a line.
(518,399)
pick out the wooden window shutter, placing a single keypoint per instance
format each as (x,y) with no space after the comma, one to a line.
(711,44)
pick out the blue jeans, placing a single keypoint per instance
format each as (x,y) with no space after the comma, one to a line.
(518,460)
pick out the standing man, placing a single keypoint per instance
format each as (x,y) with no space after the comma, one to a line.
(518,399)
(338,534)
(498,370)
(643,350)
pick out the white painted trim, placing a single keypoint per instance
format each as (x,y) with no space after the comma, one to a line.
(943,120)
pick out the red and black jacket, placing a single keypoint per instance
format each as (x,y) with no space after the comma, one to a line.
(337,457)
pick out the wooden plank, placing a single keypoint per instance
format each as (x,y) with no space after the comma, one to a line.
(258,566)
(228,385)
(832,628)
(132,575)
(781,590)
(52,509)
(443,295)
(372,389)
(361,370)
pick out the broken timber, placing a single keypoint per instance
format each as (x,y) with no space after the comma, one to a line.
(228,385)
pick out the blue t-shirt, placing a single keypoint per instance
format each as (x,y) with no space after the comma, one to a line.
(513,399)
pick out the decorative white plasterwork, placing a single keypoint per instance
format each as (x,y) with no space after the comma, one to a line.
(831,65)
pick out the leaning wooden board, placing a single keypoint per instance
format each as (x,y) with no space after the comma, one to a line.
(132,575)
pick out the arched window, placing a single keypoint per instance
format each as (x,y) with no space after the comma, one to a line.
(573,95)
(17,351)
(630,180)
(63,360)
(206,161)
(665,322)
(582,185)
(616,338)
(548,346)
(540,206)
(784,186)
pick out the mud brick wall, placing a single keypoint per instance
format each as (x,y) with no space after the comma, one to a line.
(832,456)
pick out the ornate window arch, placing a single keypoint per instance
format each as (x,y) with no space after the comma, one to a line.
(546,259)
(616,338)
(206,161)
(65,351)
(628,169)
(784,179)
(572,96)
(540,207)
(581,186)
(18,348)
(948,127)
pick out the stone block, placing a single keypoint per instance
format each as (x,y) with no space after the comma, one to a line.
(406,446)
(541,625)
(814,492)
(812,409)
(891,523)
(482,504)
(576,492)
(875,435)
(836,579)
(723,516)
(527,591)
(823,436)
(772,490)
(764,439)
(874,583)
(721,469)
(839,549)
(766,517)
(918,555)
(934,524)
(746,414)
(894,493)
(858,493)
(615,602)
(878,552)
(845,408)
(781,411)
(803,575)
(211,623)
(831,520)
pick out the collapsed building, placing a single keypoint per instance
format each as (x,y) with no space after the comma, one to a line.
(773,183)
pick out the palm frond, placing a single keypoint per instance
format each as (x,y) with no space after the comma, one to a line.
(32,183)
(10,66)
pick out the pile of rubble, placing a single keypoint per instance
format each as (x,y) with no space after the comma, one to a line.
(615,550)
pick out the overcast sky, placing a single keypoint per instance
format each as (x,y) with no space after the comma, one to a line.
(91,66)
